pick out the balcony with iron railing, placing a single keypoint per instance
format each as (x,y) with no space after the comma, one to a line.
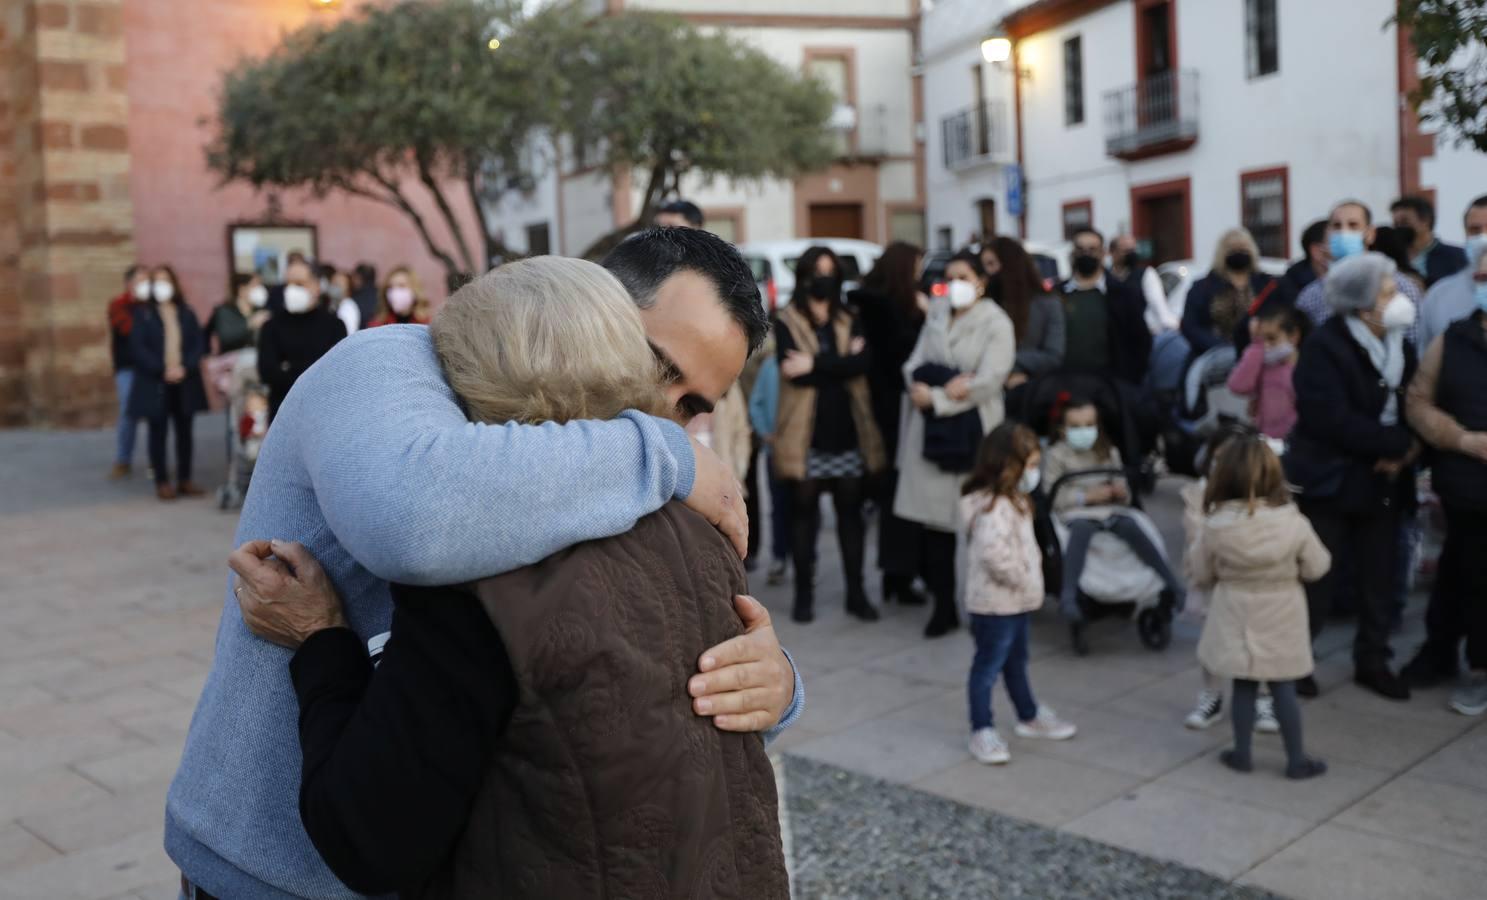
(1156,115)
(975,136)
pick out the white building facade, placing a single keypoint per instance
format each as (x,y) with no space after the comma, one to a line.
(863,50)
(1178,119)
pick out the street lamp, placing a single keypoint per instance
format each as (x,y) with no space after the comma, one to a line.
(996,48)
(325,4)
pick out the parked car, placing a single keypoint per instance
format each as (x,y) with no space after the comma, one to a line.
(1178,277)
(774,262)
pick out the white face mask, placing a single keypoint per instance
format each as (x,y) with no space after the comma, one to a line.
(1476,245)
(1082,437)
(1030,480)
(297,299)
(961,293)
(258,296)
(400,299)
(164,291)
(141,290)
(1398,314)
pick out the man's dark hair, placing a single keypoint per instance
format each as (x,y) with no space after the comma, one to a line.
(366,273)
(686,209)
(1315,233)
(643,262)
(1087,230)
(1479,203)
(1418,205)
(241,279)
(132,271)
(326,270)
(1367,213)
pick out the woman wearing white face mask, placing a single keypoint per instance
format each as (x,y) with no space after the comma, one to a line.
(235,322)
(167,345)
(1352,452)
(403,302)
(967,347)
(291,343)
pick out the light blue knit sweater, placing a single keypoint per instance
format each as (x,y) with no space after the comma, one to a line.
(373,467)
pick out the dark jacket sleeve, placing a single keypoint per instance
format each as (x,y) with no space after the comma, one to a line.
(270,371)
(1323,406)
(394,757)
(1133,354)
(835,366)
(193,341)
(1197,318)
(1044,351)
(144,344)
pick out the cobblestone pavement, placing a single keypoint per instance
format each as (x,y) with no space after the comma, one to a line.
(109,602)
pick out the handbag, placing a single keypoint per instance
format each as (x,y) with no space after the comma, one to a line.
(950,442)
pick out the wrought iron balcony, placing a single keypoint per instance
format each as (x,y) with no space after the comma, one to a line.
(975,135)
(1156,115)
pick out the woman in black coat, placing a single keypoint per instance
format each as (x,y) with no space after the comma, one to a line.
(167,344)
(1352,452)
(891,309)
(1219,305)
(292,341)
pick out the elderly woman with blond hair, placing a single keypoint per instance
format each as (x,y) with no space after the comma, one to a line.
(536,713)
(1219,305)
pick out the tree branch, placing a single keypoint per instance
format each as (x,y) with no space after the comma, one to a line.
(396,198)
(472,189)
(456,230)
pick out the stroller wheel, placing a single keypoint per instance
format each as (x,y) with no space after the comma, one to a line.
(1079,639)
(1155,629)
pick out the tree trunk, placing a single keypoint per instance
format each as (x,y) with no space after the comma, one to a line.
(654,190)
(395,199)
(456,230)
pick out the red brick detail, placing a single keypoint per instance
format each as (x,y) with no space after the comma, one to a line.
(63,76)
(64,286)
(67,191)
(105,137)
(117,77)
(101,20)
(52,15)
(99,237)
(53,135)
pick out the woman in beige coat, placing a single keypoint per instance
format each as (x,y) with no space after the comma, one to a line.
(1253,553)
(975,337)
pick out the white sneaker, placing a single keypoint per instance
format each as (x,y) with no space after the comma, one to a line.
(1047,726)
(1209,710)
(1471,698)
(1265,720)
(989,748)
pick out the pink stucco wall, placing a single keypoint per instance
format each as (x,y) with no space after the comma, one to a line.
(177,53)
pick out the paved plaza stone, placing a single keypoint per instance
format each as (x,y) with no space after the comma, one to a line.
(109,602)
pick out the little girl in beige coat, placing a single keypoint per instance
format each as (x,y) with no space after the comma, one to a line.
(1253,553)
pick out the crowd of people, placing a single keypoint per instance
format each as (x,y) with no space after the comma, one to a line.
(437,606)
(254,347)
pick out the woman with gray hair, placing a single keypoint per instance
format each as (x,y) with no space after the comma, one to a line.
(1352,452)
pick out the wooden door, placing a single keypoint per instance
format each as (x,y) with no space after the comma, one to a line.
(842,220)
(1163,214)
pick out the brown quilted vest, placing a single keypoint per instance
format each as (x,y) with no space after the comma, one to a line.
(605,784)
(797,415)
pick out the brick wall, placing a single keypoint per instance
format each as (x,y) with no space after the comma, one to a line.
(70,232)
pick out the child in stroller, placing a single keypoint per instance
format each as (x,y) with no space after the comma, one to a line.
(1112,552)
(247,416)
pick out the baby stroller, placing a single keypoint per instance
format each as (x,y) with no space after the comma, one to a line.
(1114,580)
(247,421)
(1200,406)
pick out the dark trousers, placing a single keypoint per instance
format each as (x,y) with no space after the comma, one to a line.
(1373,539)
(1082,531)
(899,550)
(1001,649)
(851,532)
(177,417)
(751,501)
(938,553)
(1445,615)
(1464,610)
(781,515)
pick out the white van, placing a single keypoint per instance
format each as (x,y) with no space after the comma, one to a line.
(774,262)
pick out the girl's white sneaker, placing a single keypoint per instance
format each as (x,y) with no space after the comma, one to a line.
(1047,726)
(989,748)
(1265,720)
(1209,710)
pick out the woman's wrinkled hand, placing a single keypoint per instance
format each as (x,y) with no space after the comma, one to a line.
(283,593)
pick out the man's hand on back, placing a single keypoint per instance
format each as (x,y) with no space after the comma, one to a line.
(747,683)
(718,496)
(283,593)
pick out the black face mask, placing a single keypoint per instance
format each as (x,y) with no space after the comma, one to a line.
(1406,234)
(1085,265)
(824,287)
(1131,260)
(1239,261)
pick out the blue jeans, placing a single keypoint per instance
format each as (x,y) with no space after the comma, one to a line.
(1001,649)
(781,512)
(127,428)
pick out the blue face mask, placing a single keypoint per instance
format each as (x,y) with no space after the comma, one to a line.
(1481,295)
(1343,244)
(1082,437)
